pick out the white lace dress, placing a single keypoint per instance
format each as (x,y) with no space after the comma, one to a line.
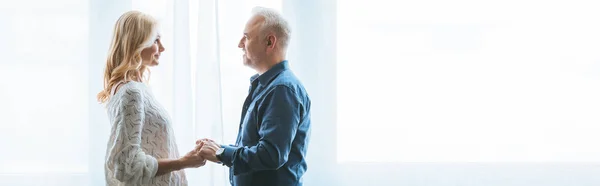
(141,133)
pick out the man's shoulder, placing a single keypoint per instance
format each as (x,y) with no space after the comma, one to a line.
(288,79)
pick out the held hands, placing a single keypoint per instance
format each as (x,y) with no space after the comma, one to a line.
(205,150)
(208,149)
(193,159)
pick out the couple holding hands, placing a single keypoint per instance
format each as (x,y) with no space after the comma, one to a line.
(274,132)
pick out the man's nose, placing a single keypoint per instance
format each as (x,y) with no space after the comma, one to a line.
(241,43)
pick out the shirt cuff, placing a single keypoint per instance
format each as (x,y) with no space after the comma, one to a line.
(227,156)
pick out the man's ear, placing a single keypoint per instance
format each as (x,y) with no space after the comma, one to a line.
(271,40)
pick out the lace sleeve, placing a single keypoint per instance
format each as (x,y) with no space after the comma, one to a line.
(130,164)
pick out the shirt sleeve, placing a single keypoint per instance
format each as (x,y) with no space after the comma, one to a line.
(130,164)
(277,131)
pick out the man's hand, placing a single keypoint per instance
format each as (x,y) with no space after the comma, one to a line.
(209,149)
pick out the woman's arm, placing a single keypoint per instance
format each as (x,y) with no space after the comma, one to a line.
(129,162)
(191,160)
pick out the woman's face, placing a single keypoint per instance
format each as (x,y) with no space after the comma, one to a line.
(151,54)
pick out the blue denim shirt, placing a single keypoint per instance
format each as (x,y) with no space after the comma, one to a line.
(274,132)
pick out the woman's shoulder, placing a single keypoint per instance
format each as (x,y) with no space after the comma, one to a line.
(131,86)
(130,89)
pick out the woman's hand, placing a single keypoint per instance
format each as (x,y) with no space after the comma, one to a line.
(209,149)
(193,159)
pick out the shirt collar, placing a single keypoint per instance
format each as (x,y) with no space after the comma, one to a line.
(271,73)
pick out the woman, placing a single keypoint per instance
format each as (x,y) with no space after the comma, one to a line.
(141,149)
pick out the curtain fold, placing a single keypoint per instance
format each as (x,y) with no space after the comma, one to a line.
(207,104)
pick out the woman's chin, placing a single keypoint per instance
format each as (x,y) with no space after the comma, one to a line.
(154,63)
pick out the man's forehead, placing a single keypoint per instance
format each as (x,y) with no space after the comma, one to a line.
(253,23)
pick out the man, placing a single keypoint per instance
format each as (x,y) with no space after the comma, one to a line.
(274,131)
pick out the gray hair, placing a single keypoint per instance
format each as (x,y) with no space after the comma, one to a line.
(274,22)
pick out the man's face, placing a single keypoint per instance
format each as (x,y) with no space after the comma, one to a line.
(253,42)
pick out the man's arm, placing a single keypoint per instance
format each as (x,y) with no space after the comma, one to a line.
(277,131)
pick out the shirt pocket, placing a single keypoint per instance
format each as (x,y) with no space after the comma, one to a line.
(248,125)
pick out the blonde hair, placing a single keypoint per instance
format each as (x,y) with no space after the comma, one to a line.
(133,32)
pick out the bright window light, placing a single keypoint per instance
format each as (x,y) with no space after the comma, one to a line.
(468,81)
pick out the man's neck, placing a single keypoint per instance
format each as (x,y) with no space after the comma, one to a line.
(268,65)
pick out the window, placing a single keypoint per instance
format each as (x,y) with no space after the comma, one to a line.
(44,88)
(464,81)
